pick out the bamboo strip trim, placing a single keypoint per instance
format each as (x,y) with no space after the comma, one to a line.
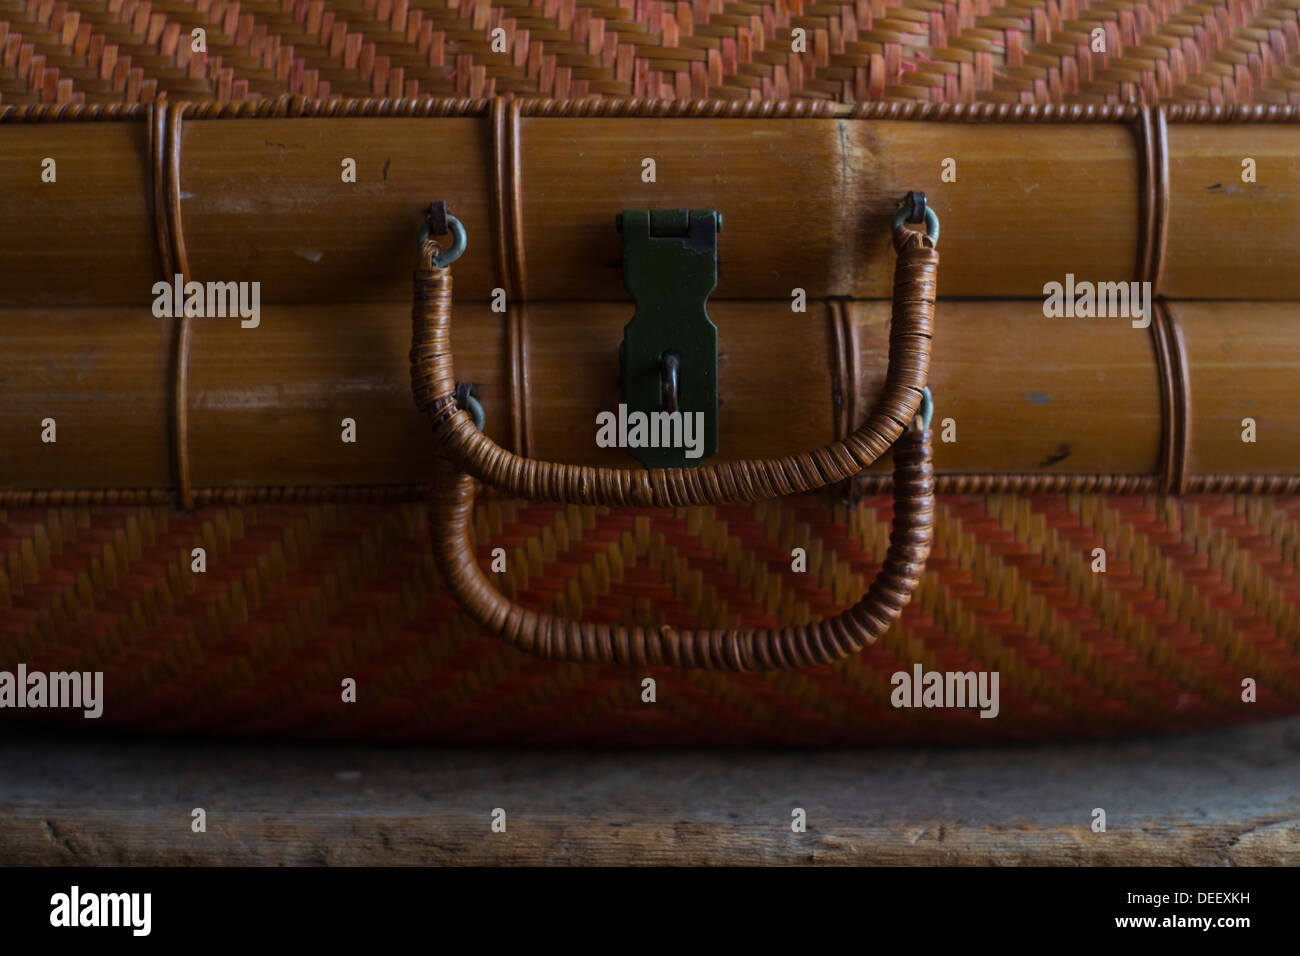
(844,393)
(293,107)
(1175,397)
(157,181)
(511,163)
(1163,194)
(1168,459)
(1029,484)
(650,107)
(170,160)
(1251,113)
(1241,484)
(1098,484)
(175,119)
(1175,372)
(1148,186)
(204,497)
(500,201)
(521,412)
(508,209)
(947,484)
(290,106)
(76,112)
(507,198)
(180,418)
(514,376)
(998,112)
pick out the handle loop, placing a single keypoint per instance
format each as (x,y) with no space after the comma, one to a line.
(433,382)
(744,649)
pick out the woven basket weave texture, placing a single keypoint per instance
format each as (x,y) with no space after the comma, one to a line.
(1199,591)
(1030,51)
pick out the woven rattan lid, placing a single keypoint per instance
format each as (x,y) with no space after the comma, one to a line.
(1033,51)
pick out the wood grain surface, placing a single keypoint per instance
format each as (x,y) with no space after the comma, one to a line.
(1223,798)
(808,204)
(1028,394)
(1205,170)
(1242,364)
(87,238)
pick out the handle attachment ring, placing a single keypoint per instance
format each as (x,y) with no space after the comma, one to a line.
(930,217)
(459,240)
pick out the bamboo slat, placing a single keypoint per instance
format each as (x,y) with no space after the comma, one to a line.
(806,201)
(88,237)
(806,204)
(1244,365)
(1228,238)
(103,376)
(1027,394)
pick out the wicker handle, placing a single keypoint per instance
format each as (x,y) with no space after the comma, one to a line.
(433,382)
(745,649)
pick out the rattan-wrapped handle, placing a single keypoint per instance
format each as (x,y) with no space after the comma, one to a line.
(433,382)
(742,649)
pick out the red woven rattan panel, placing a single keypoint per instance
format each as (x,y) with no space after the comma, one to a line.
(1199,592)
(1045,51)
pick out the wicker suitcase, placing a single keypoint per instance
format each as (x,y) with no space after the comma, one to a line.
(319,565)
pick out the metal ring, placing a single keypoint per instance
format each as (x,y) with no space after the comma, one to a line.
(476,410)
(458,243)
(931,222)
(925,414)
(465,399)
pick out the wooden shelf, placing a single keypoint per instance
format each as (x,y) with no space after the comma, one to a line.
(1229,797)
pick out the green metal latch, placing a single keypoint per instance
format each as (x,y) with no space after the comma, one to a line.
(670,347)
